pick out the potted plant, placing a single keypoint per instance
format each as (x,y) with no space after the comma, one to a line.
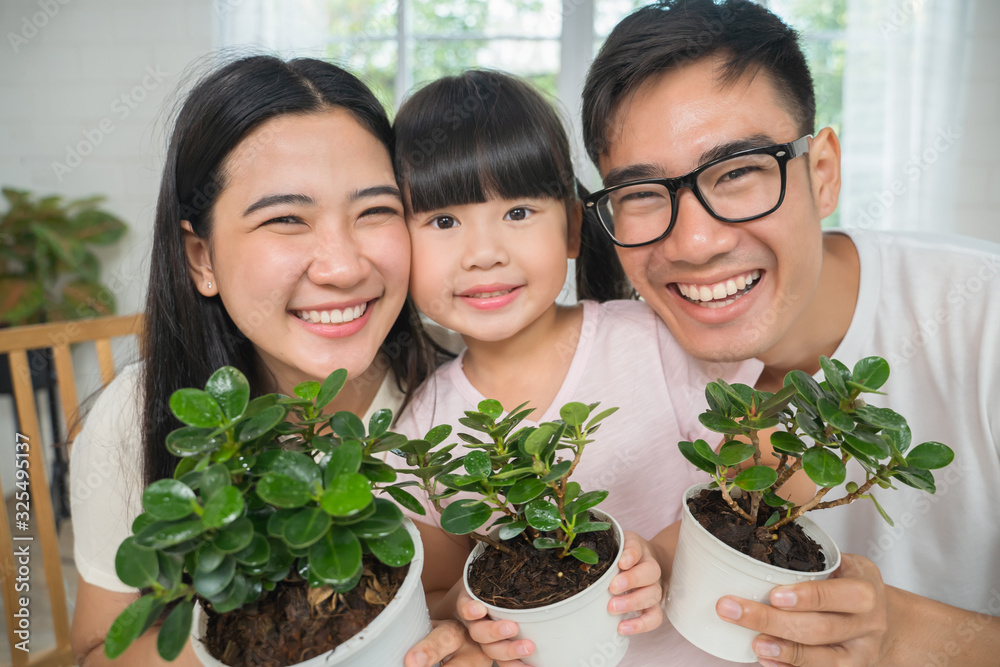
(547,560)
(269,546)
(738,536)
(48,271)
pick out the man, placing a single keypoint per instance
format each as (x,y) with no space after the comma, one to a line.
(686,83)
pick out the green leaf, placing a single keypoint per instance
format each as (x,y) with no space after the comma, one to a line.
(129,625)
(438,434)
(537,440)
(383,521)
(192,440)
(171,569)
(599,418)
(777,402)
(542,515)
(344,459)
(234,595)
(836,375)
(347,495)
(477,464)
(916,477)
(823,467)
(175,631)
(871,372)
(213,582)
(491,408)
(881,510)
(168,499)
(719,424)
(525,489)
(735,452)
(830,412)
(705,451)
(786,442)
(282,491)
(207,557)
(773,519)
(296,465)
(866,446)
(547,543)
(379,422)
(808,388)
(756,478)
(161,535)
(718,399)
(513,529)
(395,549)
(592,526)
(584,554)
(740,394)
(195,407)
(881,417)
(256,553)
(336,558)
(306,527)
(135,565)
(260,423)
(557,471)
(585,502)
(461,517)
(230,389)
(331,386)
(214,478)
(900,438)
(348,425)
(235,536)
(575,413)
(307,390)
(691,454)
(930,455)
(406,499)
(772,499)
(224,507)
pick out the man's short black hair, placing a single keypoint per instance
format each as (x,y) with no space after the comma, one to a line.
(668,34)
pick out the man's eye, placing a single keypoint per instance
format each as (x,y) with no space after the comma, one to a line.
(444,222)
(519,213)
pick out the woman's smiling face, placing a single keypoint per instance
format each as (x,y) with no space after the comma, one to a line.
(308,248)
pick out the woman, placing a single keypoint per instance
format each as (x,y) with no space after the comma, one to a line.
(279,248)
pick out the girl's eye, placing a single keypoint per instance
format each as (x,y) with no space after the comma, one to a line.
(444,222)
(519,213)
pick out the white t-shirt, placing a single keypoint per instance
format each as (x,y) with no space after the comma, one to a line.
(625,357)
(930,305)
(106,474)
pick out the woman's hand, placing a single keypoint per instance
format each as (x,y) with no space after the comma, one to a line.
(636,589)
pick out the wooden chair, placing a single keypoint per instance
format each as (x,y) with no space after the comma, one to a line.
(29,447)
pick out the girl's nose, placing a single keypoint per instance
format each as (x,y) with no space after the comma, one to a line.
(485,247)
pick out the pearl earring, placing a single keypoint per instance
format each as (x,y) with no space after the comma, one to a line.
(209,285)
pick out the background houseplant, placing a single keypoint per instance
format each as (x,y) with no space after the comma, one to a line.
(251,511)
(826,425)
(545,532)
(48,270)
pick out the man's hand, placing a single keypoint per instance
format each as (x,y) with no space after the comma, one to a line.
(855,619)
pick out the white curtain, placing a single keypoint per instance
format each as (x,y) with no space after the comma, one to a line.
(904,93)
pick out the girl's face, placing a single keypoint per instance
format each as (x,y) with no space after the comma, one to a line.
(308,250)
(488,271)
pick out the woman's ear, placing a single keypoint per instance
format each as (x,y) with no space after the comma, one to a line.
(199,261)
(575,220)
(824,160)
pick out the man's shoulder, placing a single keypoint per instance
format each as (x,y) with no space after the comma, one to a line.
(904,244)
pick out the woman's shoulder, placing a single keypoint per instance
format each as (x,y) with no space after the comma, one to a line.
(117,409)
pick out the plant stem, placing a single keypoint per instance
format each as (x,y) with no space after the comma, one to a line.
(786,474)
(493,543)
(802,509)
(754,495)
(849,498)
(733,505)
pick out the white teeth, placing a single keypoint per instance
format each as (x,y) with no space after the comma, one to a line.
(487,295)
(715,295)
(333,316)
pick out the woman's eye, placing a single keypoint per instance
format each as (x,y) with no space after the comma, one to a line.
(444,222)
(284,220)
(380,211)
(519,213)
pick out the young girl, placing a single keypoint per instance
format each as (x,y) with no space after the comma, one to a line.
(493,216)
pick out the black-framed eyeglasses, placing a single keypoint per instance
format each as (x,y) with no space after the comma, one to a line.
(740,187)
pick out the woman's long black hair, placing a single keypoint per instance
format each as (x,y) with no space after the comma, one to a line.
(484,134)
(189,336)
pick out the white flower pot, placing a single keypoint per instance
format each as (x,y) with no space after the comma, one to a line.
(576,632)
(384,643)
(706,569)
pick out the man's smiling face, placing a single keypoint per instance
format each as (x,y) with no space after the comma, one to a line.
(726,290)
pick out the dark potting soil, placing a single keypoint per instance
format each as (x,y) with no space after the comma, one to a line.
(793,550)
(293,623)
(537,577)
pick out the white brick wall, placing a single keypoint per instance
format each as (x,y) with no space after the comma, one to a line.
(56,89)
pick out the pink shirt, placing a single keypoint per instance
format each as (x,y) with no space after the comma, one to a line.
(624,357)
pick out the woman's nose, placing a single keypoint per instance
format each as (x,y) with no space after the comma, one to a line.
(338,260)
